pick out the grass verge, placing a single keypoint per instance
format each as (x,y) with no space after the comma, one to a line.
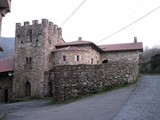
(3,117)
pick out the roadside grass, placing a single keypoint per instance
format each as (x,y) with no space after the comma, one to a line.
(3,117)
(15,100)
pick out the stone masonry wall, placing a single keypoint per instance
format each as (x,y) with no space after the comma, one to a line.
(131,55)
(86,53)
(70,81)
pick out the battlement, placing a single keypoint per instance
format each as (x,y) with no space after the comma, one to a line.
(44,23)
(34,22)
(31,30)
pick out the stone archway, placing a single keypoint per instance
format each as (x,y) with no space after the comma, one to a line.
(27,89)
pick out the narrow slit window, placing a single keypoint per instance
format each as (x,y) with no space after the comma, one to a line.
(78,58)
(30,62)
(91,61)
(27,60)
(64,58)
(36,42)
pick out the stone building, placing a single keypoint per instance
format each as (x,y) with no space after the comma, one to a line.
(33,46)
(5,6)
(76,52)
(39,48)
(6,78)
(130,51)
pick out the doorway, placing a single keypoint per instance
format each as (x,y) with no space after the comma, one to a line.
(6,95)
(27,89)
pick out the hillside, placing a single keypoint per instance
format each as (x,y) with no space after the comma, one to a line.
(8,46)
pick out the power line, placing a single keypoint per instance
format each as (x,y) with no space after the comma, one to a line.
(129,24)
(140,4)
(79,6)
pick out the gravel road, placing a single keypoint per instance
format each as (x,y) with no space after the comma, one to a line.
(144,104)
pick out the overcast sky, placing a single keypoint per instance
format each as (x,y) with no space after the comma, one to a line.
(95,20)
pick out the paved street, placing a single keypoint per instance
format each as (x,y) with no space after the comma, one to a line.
(135,102)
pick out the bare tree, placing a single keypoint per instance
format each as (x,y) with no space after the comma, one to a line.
(149,52)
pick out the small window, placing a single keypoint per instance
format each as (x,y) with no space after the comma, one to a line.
(27,60)
(36,42)
(91,61)
(78,58)
(21,42)
(105,61)
(30,60)
(64,58)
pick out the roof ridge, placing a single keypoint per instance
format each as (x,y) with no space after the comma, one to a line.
(120,44)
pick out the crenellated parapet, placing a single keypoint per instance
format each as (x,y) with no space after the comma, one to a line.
(36,26)
(33,31)
(44,23)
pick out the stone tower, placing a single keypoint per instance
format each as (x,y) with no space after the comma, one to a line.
(33,47)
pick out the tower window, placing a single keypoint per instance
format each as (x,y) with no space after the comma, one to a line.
(36,42)
(30,61)
(27,60)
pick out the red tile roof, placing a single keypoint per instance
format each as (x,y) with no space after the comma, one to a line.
(122,47)
(7,64)
(109,47)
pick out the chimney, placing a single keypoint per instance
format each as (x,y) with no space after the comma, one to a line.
(135,39)
(80,38)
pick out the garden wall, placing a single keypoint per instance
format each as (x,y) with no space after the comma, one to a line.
(73,80)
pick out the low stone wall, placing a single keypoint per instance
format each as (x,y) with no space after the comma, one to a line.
(73,80)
